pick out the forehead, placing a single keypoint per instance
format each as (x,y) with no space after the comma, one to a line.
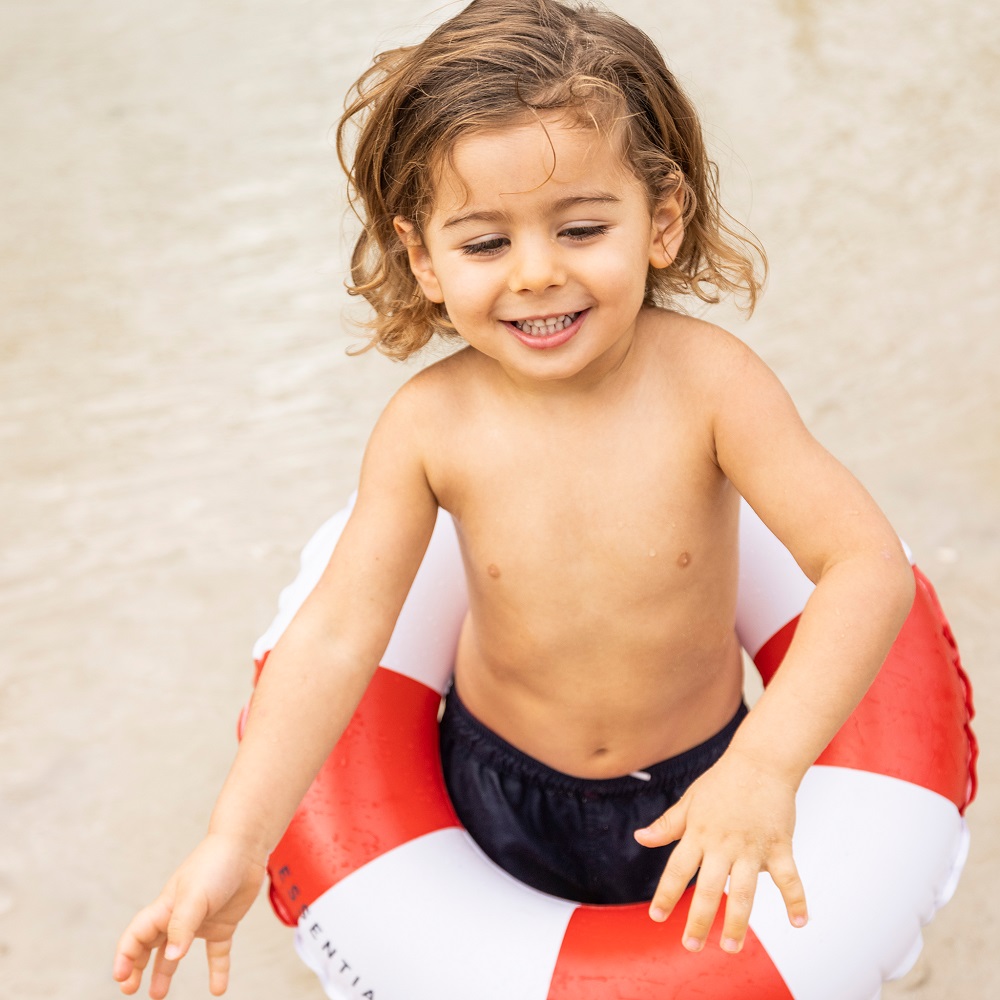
(541,159)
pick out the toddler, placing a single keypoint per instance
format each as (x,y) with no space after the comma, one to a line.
(532,180)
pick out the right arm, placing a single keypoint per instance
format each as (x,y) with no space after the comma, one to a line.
(315,676)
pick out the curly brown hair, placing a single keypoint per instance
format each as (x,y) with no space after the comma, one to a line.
(486,68)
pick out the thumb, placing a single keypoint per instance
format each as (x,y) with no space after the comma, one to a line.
(666,828)
(187,916)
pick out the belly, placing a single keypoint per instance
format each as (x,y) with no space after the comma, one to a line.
(606,712)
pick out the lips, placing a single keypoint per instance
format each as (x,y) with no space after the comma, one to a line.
(551,331)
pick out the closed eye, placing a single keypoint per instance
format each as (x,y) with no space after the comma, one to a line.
(485,248)
(581,233)
(494,245)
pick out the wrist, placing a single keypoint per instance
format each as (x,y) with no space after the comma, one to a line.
(779,763)
(247,839)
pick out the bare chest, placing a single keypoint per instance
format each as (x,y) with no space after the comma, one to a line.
(630,511)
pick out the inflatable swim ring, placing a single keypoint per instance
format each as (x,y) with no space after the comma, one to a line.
(394,901)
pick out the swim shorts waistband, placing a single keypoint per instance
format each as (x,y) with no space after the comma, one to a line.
(484,744)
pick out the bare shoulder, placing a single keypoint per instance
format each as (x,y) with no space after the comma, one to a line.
(703,357)
(445,378)
(694,342)
(432,393)
(405,445)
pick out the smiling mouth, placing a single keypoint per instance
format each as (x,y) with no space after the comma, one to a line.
(545,327)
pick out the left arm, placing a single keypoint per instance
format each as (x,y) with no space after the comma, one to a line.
(738,818)
(841,541)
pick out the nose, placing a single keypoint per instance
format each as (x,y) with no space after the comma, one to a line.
(535,265)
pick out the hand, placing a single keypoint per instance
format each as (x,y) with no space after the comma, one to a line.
(734,822)
(206,897)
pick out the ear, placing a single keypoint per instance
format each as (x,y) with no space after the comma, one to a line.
(419,258)
(667,232)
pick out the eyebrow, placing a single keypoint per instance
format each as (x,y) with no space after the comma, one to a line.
(561,205)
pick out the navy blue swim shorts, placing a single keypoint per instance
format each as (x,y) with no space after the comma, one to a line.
(567,836)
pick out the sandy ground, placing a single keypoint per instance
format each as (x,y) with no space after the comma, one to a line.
(179,414)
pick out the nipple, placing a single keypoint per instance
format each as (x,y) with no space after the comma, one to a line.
(683,559)
(493,570)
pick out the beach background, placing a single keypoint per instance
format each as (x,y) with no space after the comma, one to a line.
(177,412)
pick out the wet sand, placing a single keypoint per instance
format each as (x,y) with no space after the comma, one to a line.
(178,413)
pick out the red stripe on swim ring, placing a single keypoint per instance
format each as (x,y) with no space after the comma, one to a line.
(381,787)
(617,951)
(892,732)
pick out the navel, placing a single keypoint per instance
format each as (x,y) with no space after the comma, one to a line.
(683,560)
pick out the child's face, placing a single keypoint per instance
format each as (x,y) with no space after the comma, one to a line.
(543,270)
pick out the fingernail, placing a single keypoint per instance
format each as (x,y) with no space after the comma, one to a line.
(799,921)
(657,914)
(692,944)
(731,945)
(171,952)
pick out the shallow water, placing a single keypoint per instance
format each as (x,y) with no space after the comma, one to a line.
(178,412)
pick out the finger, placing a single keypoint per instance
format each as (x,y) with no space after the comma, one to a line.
(786,878)
(705,903)
(163,971)
(187,916)
(133,981)
(678,873)
(218,965)
(125,971)
(145,932)
(739,903)
(142,935)
(129,982)
(666,828)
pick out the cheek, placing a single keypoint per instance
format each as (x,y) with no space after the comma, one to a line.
(623,266)
(467,290)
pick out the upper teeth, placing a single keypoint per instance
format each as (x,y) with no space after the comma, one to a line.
(543,327)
